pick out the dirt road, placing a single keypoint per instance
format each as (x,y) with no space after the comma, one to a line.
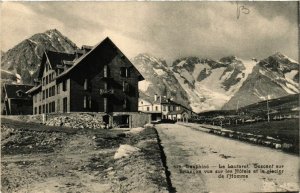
(190,151)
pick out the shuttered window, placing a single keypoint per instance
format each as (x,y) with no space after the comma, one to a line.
(105,104)
(85,85)
(105,73)
(58,105)
(90,101)
(84,102)
(58,88)
(65,104)
(125,72)
(65,85)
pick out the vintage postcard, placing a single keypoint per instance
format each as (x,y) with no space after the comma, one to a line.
(149,96)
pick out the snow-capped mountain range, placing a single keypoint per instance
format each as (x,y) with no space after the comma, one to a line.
(273,77)
(228,83)
(201,83)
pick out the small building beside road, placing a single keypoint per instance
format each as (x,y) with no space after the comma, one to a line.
(15,100)
(164,108)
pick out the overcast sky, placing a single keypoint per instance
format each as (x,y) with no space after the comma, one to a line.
(163,29)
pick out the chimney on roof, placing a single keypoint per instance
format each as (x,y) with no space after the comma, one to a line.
(86,48)
(155,97)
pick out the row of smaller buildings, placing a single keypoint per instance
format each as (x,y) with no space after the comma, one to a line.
(162,107)
(15,100)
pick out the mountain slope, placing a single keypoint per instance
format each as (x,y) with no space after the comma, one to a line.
(24,58)
(273,77)
(159,79)
(210,84)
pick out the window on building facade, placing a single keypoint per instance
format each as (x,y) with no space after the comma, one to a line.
(125,72)
(167,108)
(65,104)
(50,107)
(148,108)
(125,104)
(84,102)
(125,86)
(105,73)
(171,108)
(58,105)
(43,109)
(35,110)
(53,106)
(90,101)
(43,94)
(47,93)
(156,108)
(58,88)
(65,85)
(47,110)
(105,104)
(40,109)
(164,108)
(53,90)
(85,85)
(46,79)
(43,81)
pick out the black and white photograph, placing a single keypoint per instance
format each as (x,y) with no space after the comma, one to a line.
(149,96)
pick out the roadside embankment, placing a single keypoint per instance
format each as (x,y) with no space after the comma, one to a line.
(259,139)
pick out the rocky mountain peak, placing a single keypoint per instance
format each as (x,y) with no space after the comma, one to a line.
(279,62)
(148,59)
(25,57)
(228,59)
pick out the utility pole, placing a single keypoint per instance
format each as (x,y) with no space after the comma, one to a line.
(268,109)
(237,106)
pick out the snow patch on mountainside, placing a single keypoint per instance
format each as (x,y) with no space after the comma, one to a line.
(184,73)
(143,85)
(290,59)
(290,75)
(213,81)
(198,68)
(180,64)
(32,41)
(202,97)
(159,72)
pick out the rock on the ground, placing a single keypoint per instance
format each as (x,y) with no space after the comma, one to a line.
(125,151)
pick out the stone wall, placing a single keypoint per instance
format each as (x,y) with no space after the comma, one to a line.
(83,119)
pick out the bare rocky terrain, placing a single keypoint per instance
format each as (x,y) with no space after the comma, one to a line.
(39,158)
